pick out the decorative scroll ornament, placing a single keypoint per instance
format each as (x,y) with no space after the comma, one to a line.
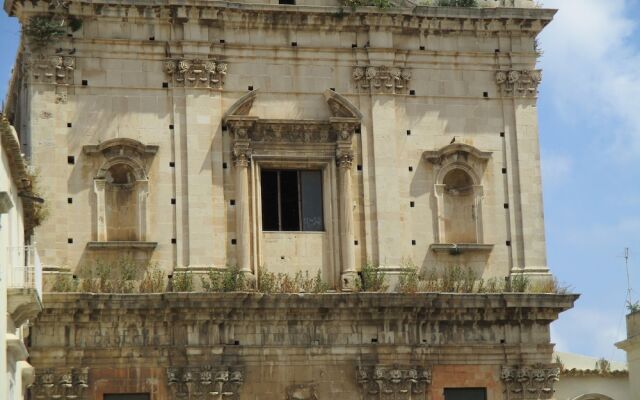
(196,73)
(519,83)
(57,70)
(382,78)
(384,382)
(204,382)
(64,384)
(536,382)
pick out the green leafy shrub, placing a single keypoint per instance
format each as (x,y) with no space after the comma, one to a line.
(42,30)
(182,281)
(372,279)
(64,283)
(152,281)
(353,4)
(409,281)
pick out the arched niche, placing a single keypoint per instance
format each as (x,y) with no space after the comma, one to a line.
(593,396)
(458,169)
(121,186)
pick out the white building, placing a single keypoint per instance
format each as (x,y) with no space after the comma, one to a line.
(589,378)
(20,269)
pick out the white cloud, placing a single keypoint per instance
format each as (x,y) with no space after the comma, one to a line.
(556,169)
(597,331)
(592,69)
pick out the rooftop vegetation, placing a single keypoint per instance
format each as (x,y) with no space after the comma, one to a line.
(125,275)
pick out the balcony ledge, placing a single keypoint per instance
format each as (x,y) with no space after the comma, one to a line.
(122,245)
(459,248)
(23,304)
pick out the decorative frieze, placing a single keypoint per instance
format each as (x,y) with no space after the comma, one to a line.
(196,73)
(393,382)
(522,83)
(381,78)
(205,382)
(534,382)
(63,384)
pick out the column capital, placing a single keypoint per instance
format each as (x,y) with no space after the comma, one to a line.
(345,160)
(241,155)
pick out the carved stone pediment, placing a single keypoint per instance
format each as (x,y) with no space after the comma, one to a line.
(196,73)
(60,384)
(385,79)
(523,83)
(382,382)
(205,382)
(529,382)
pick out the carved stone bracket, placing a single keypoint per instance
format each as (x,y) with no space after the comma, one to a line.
(63,384)
(535,382)
(56,70)
(205,382)
(196,73)
(519,83)
(393,382)
(381,78)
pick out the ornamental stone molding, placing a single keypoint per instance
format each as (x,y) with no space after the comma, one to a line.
(196,73)
(381,78)
(529,383)
(205,382)
(393,382)
(60,384)
(57,70)
(519,83)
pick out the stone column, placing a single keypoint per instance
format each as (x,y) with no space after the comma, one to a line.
(348,270)
(243,230)
(101,211)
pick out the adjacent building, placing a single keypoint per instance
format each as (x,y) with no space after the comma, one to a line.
(279,137)
(20,269)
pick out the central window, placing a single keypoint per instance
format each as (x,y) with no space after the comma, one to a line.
(292,200)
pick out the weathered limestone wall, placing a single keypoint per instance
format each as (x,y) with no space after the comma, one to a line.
(417,79)
(632,347)
(269,345)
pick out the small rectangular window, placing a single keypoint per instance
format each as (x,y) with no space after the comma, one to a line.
(289,2)
(292,200)
(465,394)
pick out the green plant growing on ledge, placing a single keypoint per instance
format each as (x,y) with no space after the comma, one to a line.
(43,29)
(372,279)
(182,282)
(633,307)
(353,4)
(450,3)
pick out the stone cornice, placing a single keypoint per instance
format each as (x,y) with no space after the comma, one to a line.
(441,20)
(526,306)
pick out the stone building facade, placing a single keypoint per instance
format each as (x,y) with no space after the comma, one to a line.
(312,137)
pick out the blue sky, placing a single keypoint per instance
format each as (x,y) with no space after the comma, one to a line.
(590,138)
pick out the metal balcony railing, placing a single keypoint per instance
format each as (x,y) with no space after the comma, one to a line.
(25,269)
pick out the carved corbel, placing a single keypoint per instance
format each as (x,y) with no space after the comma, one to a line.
(60,384)
(382,79)
(205,382)
(196,72)
(379,381)
(529,383)
(519,83)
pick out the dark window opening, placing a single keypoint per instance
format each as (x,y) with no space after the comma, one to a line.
(291,2)
(465,394)
(292,200)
